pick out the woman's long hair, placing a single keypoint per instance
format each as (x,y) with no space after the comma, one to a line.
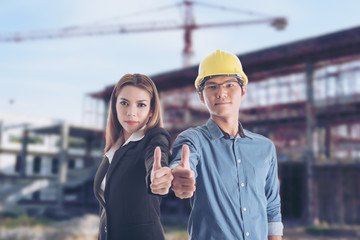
(114,130)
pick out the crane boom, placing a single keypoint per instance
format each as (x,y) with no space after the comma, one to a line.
(188,26)
(123,29)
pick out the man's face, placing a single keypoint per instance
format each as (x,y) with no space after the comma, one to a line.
(222,96)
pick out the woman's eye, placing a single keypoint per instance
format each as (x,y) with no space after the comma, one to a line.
(141,105)
(124,103)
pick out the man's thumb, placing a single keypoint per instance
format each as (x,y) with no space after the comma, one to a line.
(185,157)
(157,159)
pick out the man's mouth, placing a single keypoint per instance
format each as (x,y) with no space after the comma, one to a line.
(222,103)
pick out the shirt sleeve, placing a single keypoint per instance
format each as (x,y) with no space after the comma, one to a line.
(275,225)
(275,229)
(190,138)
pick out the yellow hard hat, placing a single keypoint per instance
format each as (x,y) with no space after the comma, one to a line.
(220,63)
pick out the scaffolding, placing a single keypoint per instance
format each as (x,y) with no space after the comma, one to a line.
(305,96)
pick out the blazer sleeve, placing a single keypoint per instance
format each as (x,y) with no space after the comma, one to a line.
(156,137)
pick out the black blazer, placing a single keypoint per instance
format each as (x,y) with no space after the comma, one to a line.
(128,209)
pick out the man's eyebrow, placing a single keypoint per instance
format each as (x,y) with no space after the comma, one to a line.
(229,80)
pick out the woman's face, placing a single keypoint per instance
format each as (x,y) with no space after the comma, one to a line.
(133,109)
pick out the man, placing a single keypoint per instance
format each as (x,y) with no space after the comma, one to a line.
(235,170)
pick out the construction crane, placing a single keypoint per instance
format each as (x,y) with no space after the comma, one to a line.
(188,26)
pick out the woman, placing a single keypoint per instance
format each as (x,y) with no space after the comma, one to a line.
(128,183)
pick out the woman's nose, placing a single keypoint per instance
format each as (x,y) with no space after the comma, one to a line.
(131,111)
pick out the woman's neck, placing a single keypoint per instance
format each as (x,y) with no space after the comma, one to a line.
(125,135)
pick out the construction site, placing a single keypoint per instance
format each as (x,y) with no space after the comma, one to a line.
(303,95)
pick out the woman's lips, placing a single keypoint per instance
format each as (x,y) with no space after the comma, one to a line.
(131,122)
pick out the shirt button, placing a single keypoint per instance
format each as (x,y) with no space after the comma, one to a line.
(247,233)
(105,229)
(244,209)
(242,184)
(239,160)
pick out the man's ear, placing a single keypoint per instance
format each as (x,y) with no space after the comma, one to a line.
(201,97)
(243,92)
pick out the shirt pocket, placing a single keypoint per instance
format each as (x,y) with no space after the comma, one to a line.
(259,171)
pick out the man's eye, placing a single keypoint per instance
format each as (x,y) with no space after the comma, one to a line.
(229,85)
(211,86)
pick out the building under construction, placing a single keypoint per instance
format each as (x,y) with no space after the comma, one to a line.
(47,167)
(305,96)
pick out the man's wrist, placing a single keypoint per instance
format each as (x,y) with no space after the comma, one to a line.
(274,237)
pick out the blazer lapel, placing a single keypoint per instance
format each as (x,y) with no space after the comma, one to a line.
(116,159)
(100,174)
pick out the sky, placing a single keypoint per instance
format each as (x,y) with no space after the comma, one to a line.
(52,77)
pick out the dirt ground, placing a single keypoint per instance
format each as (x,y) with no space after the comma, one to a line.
(299,233)
(86,227)
(295,233)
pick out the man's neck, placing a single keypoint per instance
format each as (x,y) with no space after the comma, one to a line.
(227,124)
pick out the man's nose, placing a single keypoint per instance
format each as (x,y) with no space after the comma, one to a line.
(222,91)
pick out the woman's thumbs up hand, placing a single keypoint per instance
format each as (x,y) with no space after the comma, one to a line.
(161,177)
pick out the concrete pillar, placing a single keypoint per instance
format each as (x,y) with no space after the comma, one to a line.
(328,142)
(24,143)
(62,175)
(312,213)
(340,195)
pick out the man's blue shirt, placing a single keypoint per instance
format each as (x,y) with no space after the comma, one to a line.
(237,187)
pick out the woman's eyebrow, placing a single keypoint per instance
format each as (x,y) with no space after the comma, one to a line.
(141,100)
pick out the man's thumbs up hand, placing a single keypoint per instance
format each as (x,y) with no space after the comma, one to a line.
(185,157)
(184,178)
(161,177)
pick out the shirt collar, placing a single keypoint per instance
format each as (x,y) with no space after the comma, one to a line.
(110,153)
(217,132)
(136,136)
